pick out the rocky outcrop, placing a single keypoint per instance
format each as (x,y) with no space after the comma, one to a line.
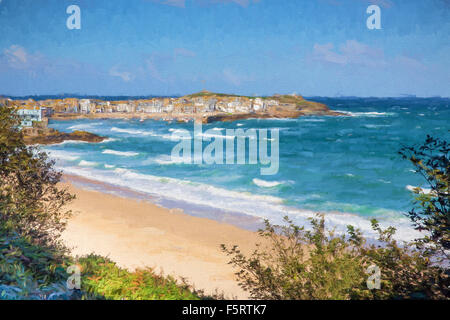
(243,116)
(288,107)
(51,136)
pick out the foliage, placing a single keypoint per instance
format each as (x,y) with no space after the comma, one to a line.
(432,212)
(103,277)
(33,262)
(406,273)
(31,202)
(294,263)
(30,271)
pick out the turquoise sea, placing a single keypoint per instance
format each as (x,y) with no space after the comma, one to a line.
(346,167)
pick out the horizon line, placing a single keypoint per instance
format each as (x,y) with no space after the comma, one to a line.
(78,95)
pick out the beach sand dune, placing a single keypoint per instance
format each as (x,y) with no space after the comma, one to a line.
(139,234)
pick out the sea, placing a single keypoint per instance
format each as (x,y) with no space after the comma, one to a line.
(347,168)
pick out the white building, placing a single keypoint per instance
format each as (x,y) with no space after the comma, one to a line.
(28,115)
(85,106)
(258,104)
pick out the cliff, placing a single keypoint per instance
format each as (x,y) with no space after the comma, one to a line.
(51,136)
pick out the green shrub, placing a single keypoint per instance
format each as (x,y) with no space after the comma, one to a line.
(33,262)
(292,263)
(432,212)
(31,202)
(30,271)
(103,277)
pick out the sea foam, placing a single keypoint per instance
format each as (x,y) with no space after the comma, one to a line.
(121,153)
(266,184)
(262,206)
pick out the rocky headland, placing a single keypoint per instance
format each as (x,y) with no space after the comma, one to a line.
(47,136)
(202,107)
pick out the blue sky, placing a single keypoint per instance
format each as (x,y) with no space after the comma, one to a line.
(252,47)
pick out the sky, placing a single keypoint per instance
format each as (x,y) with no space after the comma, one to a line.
(249,47)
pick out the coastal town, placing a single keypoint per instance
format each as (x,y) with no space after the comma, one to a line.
(204,106)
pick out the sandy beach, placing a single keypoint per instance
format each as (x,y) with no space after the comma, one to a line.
(138,234)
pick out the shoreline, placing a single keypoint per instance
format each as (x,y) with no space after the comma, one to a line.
(139,233)
(237,219)
(200,118)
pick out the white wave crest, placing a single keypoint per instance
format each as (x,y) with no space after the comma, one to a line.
(421,190)
(85,163)
(266,184)
(367,114)
(62,155)
(262,206)
(121,153)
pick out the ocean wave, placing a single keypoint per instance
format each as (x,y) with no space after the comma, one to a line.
(266,184)
(84,126)
(70,142)
(376,126)
(108,140)
(205,135)
(350,175)
(312,120)
(62,155)
(282,119)
(262,206)
(132,131)
(176,134)
(421,190)
(163,160)
(367,114)
(85,163)
(121,153)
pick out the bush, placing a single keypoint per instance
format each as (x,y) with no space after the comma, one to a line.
(29,271)
(432,212)
(31,203)
(102,277)
(33,262)
(294,264)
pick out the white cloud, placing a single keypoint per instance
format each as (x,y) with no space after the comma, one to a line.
(124,75)
(350,52)
(324,52)
(16,56)
(183,52)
